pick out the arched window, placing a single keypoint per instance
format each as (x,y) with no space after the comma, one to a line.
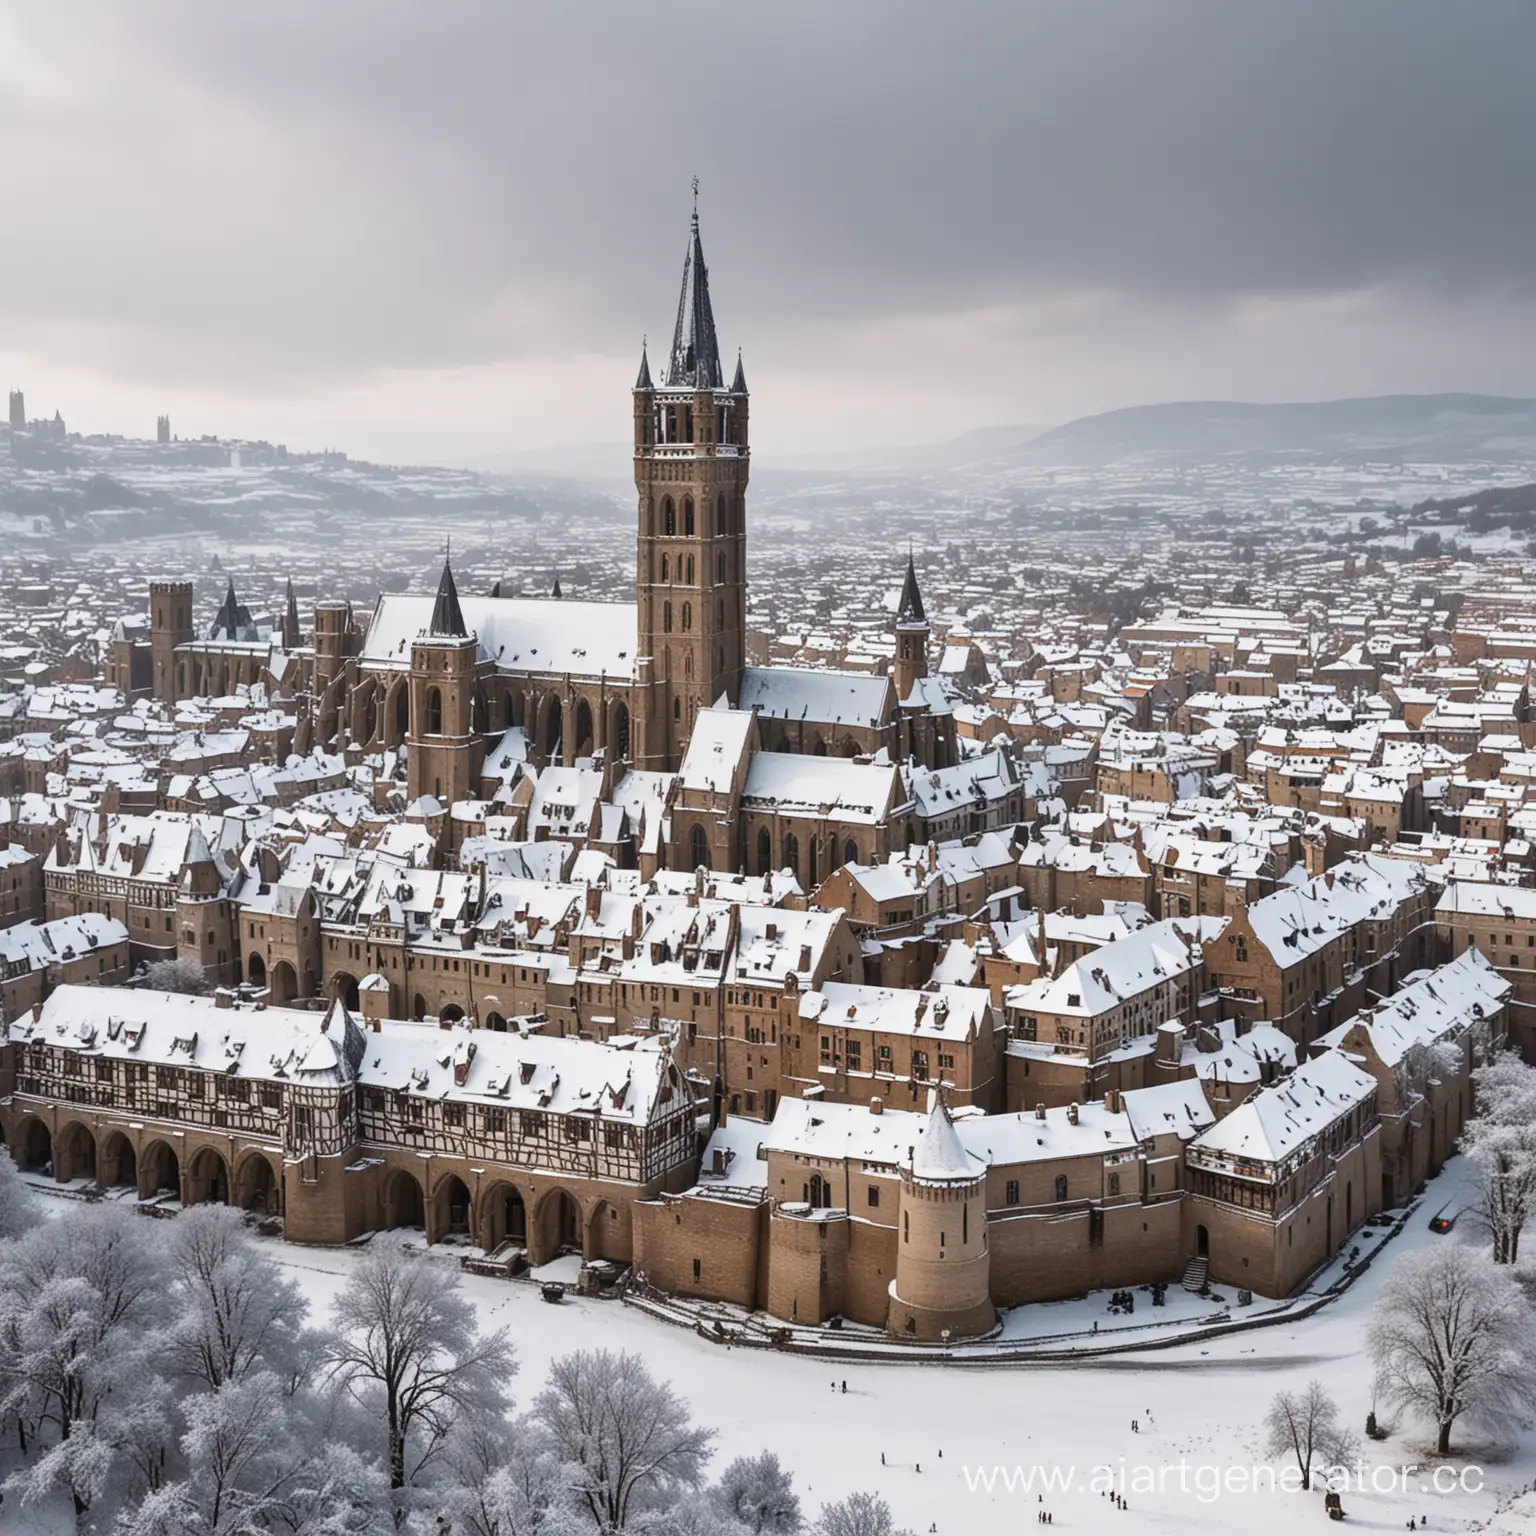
(764,852)
(688,667)
(669,517)
(687,617)
(850,852)
(666,618)
(720,513)
(666,569)
(677,709)
(792,852)
(698,851)
(690,570)
(720,658)
(688,516)
(434,712)
(720,570)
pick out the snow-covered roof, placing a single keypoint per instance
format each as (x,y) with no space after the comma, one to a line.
(817,696)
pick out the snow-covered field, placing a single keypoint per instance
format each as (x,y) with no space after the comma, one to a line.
(1202,1404)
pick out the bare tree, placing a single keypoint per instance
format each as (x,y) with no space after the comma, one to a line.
(499,1479)
(1453,1339)
(406,1342)
(179,973)
(626,1437)
(78,1337)
(760,1494)
(1500,1141)
(860,1514)
(1306,1425)
(19,1212)
(238,1311)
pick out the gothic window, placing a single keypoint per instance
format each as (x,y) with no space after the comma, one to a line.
(666,569)
(792,852)
(688,516)
(677,709)
(764,851)
(720,564)
(688,667)
(687,617)
(850,852)
(690,570)
(666,618)
(434,712)
(669,517)
(700,850)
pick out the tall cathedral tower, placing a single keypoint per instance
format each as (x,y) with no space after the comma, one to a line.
(691,465)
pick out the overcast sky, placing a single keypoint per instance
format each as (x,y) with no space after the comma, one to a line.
(439,230)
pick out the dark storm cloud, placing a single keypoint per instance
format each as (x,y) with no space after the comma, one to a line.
(214,190)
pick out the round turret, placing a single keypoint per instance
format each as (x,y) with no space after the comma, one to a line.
(943,1260)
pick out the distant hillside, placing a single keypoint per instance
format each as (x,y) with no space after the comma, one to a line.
(1455,428)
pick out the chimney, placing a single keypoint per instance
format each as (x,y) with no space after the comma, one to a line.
(805,957)
(1112,1101)
(594,901)
(223,998)
(37,1012)
(877,1105)
(771,932)
(1039,1111)
(1071,1114)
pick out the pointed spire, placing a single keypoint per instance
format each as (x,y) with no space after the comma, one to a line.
(290,619)
(447,616)
(739,383)
(232,619)
(909,611)
(695,352)
(644,380)
(554,591)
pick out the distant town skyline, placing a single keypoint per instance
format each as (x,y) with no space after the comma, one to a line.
(439,235)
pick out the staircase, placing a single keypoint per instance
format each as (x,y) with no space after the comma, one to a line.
(1194,1274)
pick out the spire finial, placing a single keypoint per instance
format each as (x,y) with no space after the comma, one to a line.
(695,199)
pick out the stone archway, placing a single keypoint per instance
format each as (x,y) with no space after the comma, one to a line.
(34,1147)
(207,1179)
(284,984)
(344,988)
(452,1211)
(403,1205)
(256,1186)
(559,1227)
(256,972)
(159,1171)
(503,1217)
(74,1153)
(450,1013)
(117,1166)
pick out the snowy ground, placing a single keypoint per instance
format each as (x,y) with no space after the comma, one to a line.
(1207,1401)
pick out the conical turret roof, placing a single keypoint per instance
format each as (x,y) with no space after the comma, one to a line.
(447,616)
(938,1157)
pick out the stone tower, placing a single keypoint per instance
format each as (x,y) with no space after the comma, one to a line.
(691,464)
(170,625)
(943,1260)
(445,748)
(911,636)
